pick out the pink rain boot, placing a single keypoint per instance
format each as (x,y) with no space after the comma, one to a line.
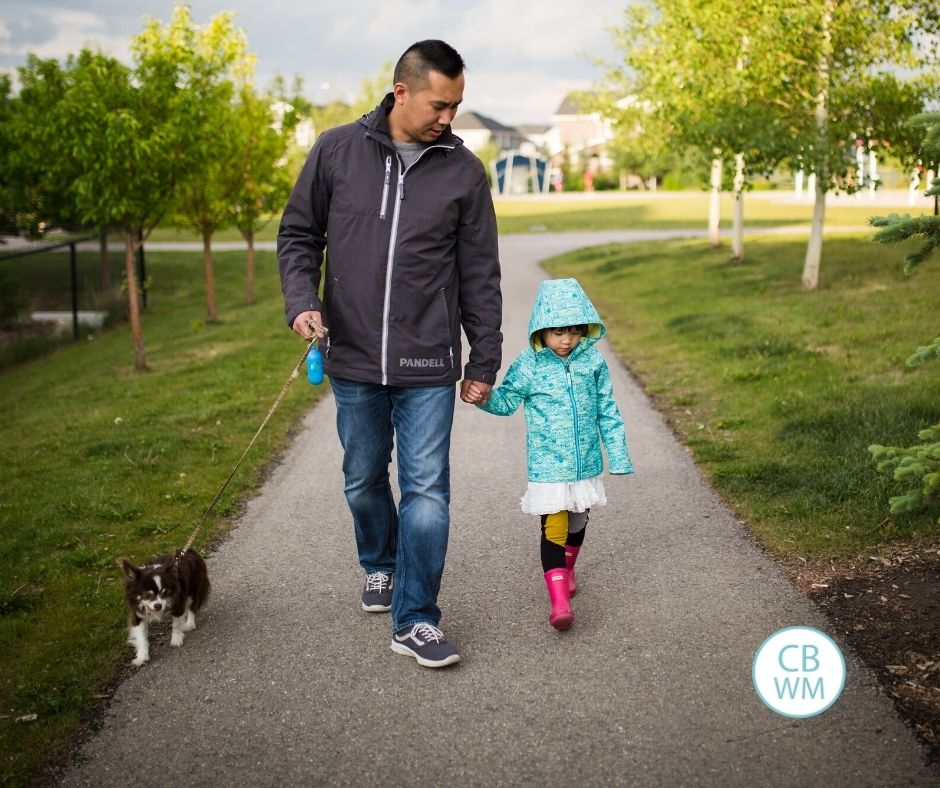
(571,555)
(557,582)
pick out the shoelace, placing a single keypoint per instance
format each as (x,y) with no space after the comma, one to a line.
(377,581)
(427,633)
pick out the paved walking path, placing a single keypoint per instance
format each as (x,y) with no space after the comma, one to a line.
(288,682)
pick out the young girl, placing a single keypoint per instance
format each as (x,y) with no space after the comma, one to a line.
(564,384)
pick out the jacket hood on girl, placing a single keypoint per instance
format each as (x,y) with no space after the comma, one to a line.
(560,303)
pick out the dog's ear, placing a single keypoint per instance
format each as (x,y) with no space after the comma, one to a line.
(128,569)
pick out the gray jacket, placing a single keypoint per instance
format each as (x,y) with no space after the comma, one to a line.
(412,257)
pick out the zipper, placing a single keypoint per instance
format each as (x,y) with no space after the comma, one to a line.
(392,240)
(390,263)
(574,414)
(388,173)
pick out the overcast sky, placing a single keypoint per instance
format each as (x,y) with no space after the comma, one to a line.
(522,55)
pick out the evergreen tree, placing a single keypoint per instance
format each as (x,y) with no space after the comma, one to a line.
(917,466)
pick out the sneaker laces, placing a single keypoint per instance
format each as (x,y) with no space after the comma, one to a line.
(377,581)
(427,632)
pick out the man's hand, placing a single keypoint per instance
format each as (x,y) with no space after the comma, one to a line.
(475,393)
(306,323)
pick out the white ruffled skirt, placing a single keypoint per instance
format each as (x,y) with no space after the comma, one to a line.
(550,497)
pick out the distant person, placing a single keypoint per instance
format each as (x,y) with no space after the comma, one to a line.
(588,180)
(564,384)
(403,211)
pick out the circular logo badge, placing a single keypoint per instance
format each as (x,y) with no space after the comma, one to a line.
(798,672)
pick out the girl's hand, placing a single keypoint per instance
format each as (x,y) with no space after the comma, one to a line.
(475,393)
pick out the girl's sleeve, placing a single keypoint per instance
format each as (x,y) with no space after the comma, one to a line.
(610,423)
(508,395)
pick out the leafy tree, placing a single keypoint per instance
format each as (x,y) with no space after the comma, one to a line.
(6,144)
(854,51)
(759,83)
(263,181)
(918,466)
(35,196)
(205,62)
(371,91)
(132,137)
(707,76)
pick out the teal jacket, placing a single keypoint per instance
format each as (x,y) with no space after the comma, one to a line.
(569,403)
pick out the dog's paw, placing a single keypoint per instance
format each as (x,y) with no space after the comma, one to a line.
(190,625)
(176,639)
(139,661)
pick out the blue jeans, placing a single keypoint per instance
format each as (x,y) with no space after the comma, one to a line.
(410,540)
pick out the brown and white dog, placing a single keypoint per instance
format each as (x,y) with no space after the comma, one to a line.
(159,588)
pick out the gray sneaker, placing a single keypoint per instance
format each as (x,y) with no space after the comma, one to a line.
(377,594)
(426,644)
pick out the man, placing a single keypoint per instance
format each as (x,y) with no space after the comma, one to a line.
(404,213)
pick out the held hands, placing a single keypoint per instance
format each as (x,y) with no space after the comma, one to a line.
(308,324)
(475,393)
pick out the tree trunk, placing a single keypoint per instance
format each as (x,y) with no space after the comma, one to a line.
(104,265)
(737,232)
(814,247)
(714,204)
(250,237)
(211,316)
(140,360)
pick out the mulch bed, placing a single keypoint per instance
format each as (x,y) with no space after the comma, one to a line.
(887,608)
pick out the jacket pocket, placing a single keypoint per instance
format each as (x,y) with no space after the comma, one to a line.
(450,345)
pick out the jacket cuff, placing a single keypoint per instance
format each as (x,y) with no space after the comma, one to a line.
(477,374)
(312,305)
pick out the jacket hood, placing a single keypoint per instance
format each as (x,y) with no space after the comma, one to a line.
(376,123)
(560,303)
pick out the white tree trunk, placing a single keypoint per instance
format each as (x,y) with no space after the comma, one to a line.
(814,247)
(737,226)
(714,204)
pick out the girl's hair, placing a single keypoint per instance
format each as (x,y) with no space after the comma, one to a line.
(581,329)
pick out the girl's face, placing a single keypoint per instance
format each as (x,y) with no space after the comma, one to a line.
(561,340)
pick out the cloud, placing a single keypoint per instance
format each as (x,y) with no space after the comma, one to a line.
(61,33)
(536,30)
(522,96)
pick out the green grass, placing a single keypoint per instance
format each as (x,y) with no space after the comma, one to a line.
(663,210)
(778,392)
(619,211)
(100,460)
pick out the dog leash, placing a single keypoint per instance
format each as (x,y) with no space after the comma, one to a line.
(293,376)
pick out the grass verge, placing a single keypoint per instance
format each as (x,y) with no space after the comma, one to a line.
(99,461)
(622,211)
(663,210)
(778,392)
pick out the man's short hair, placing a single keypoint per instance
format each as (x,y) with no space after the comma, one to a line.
(423,57)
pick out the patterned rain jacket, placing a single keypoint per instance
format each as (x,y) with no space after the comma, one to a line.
(569,403)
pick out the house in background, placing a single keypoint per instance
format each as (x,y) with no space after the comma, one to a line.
(584,134)
(477,131)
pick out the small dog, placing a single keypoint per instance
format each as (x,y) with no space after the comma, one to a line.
(160,587)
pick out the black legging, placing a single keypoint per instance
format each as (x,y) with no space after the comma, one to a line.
(552,554)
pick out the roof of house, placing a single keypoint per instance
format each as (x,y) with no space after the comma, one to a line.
(474,120)
(533,128)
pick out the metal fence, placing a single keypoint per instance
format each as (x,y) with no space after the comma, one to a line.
(64,284)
